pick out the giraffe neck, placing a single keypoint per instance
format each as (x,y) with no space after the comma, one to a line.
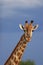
(17,53)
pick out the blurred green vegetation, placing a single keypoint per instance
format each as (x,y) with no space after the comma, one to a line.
(28,62)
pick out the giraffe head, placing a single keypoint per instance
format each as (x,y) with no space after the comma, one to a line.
(28,28)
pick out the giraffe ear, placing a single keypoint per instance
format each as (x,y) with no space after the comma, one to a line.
(35,27)
(21,27)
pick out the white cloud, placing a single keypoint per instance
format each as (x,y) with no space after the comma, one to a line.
(8,5)
(23,3)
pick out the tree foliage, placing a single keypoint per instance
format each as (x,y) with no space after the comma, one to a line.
(27,62)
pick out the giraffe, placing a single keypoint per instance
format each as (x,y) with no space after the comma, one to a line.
(17,53)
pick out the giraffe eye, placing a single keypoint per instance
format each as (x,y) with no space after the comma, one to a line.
(25,30)
(32,30)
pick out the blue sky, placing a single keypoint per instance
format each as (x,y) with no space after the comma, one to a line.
(12,13)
